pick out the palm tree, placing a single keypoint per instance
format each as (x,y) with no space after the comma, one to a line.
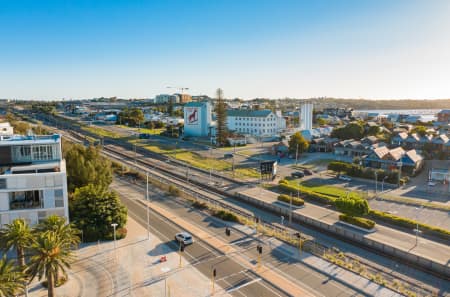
(67,232)
(51,255)
(17,234)
(12,279)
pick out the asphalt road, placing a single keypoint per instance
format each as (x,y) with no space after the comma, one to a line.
(280,260)
(232,276)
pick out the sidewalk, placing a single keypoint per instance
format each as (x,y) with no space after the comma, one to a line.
(132,269)
(434,251)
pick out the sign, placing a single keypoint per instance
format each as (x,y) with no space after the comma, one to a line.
(269,167)
(192,116)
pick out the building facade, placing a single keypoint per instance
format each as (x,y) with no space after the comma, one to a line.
(197,119)
(306,116)
(255,122)
(184,98)
(166,98)
(33,180)
(6,129)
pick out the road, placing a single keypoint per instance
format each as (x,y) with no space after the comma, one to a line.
(232,276)
(208,258)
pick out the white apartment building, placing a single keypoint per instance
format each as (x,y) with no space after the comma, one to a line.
(255,122)
(33,181)
(166,98)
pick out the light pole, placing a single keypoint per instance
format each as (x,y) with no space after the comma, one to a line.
(382,183)
(296,155)
(417,223)
(376,182)
(290,210)
(147,206)
(210,167)
(114,225)
(282,220)
(399,164)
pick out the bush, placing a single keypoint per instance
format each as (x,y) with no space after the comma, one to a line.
(199,205)
(226,216)
(352,206)
(369,173)
(295,201)
(61,281)
(360,222)
(308,195)
(409,224)
(174,190)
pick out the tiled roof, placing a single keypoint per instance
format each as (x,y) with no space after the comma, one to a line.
(412,154)
(381,151)
(397,153)
(440,139)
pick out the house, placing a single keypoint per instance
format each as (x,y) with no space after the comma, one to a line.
(351,148)
(412,141)
(444,116)
(323,145)
(6,129)
(390,159)
(399,139)
(439,142)
(281,149)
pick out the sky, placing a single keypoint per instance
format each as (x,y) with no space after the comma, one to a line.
(374,49)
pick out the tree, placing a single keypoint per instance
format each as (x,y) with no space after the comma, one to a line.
(221,114)
(67,232)
(321,121)
(16,235)
(170,108)
(85,166)
(131,117)
(94,209)
(355,207)
(373,130)
(351,131)
(298,140)
(51,255)
(420,130)
(12,278)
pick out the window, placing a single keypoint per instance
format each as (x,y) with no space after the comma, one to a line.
(59,198)
(26,200)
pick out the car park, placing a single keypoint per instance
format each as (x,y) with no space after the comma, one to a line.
(345,177)
(184,237)
(297,174)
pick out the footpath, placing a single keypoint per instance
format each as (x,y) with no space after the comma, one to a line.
(267,272)
(133,268)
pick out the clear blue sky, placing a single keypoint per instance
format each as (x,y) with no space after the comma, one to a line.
(250,48)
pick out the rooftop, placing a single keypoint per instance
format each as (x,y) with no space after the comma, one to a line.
(31,139)
(248,113)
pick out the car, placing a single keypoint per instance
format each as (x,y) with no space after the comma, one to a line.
(297,174)
(184,237)
(345,177)
(307,172)
(228,155)
(431,183)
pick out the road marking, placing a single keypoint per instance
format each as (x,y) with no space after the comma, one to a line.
(244,285)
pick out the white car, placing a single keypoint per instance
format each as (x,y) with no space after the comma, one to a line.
(345,178)
(184,237)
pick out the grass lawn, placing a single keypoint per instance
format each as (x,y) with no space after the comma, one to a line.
(101,132)
(196,160)
(332,191)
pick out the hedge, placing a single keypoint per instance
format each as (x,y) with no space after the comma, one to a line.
(226,216)
(357,221)
(295,201)
(310,195)
(408,223)
(369,173)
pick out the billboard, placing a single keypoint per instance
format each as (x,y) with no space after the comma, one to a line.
(192,116)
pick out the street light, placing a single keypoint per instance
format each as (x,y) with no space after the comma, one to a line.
(382,183)
(114,225)
(282,220)
(417,223)
(376,182)
(146,198)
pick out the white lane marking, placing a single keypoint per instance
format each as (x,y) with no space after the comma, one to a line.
(244,285)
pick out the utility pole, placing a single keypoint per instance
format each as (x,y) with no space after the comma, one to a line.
(376,182)
(146,200)
(290,210)
(296,155)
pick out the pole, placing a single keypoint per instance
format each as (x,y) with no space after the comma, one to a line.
(290,210)
(376,183)
(296,155)
(232,165)
(210,167)
(212,283)
(114,225)
(147,206)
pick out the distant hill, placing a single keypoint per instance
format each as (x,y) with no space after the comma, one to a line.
(382,104)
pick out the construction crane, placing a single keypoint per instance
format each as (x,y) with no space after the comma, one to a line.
(182,89)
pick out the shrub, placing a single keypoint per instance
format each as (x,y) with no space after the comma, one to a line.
(308,195)
(295,201)
(121,233)
(352,206)
(226,216)
(360,222)
(199,205)
(61,281)
(174,190)
(369,173)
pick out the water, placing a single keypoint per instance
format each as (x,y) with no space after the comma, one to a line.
(425,114)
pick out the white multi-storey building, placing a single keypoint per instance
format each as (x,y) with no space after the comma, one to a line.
(166,98)
(33,181)
(6,129)
(255,122)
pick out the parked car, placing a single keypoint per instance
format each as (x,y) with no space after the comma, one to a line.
(228,155)
(345,177)
(307,172)
(184,237)
(297,174)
